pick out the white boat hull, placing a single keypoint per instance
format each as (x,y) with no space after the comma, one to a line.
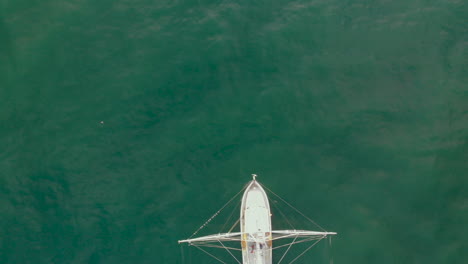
(255,225)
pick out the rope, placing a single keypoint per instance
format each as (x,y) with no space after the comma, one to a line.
(210,254)
(229,219)
(229,251)
(182,254)
(190,256)
(232,227)
(297,242)
(282,214)
(212,217)
(305,251)
(310,220)
(215,246)
(284,255)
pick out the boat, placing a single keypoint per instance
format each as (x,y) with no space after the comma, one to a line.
(256,236)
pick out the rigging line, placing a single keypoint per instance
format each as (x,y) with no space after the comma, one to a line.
(211,255)
(229,218)
(284,255)
(215,246)
(212,244)
(182,254)
(330,252)
(190,255)
(307,249)
(211,218)
(232,227)
(294,208)
(284,216)
(297,242)
(229,251)
(213,240)
(291,235)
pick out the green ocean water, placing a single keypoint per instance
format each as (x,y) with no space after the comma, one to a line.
(124,125)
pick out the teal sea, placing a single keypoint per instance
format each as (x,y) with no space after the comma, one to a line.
(124,125)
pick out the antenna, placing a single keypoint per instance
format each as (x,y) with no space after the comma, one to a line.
(254,176)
